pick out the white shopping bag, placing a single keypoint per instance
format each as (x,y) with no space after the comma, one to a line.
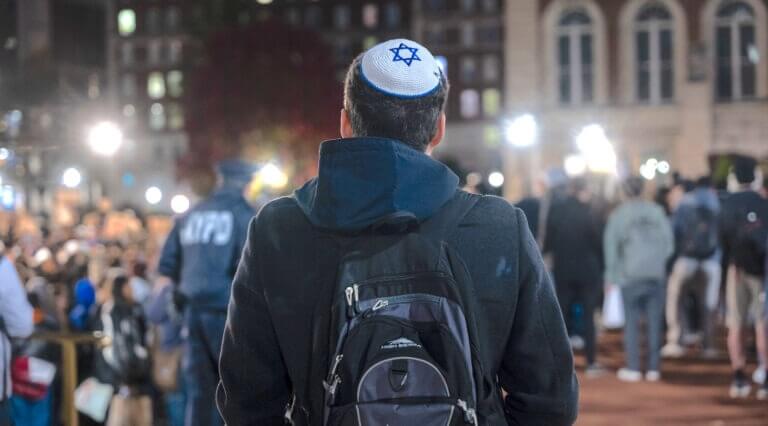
(613,308)
(92,399)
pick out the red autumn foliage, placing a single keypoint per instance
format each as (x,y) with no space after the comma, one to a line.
(266,79)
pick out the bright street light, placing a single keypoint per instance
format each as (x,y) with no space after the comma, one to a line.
(71,178)
(4,154)
(179,204)
(105,138)
(575,165)
(663,167)
(496,179)
(597,149)
(153,195)
(272,176)
(522,131)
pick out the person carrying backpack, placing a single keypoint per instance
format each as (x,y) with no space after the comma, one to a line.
(381,294)
(696,225)
(638,242)
(744,233)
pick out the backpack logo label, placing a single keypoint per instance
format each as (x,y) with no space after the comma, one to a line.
(401,343)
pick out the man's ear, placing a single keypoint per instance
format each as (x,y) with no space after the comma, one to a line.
(345,127)
(439,134)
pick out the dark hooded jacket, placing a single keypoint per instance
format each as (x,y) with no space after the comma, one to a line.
(290,260)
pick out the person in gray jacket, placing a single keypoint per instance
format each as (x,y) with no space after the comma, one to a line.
(15,322)
(638,242)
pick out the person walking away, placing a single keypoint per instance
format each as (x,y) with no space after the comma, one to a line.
(696,226)
(128,355)
(574,239)
(744,231)
(200,256)
(381,281)
(167,350)
(638,241)
(16,322)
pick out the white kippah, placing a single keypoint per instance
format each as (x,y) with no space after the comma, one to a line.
(401,68)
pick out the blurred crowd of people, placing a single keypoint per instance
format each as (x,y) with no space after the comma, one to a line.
(690,260)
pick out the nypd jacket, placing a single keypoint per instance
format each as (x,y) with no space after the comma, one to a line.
(202,250)
(278,301)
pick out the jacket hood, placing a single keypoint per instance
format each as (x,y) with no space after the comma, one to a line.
(362,180)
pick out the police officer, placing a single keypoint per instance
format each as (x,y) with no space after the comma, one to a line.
(200,255)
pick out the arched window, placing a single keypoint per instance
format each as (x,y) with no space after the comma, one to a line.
(575,58)
(737,54)
(654,56)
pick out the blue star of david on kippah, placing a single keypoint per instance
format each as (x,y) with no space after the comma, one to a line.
(408,61)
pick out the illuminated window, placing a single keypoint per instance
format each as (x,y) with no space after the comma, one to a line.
(370,15)
(491,102)
(369,42)
(157,116)
(653,54)
(575,57)
(470,103)
(491,68)
(126,22)
(736,51)
(175,83)
(175,116)
(342,16)
(156,85)
(128,85)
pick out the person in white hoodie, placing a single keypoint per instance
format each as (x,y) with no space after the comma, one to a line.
(16,321)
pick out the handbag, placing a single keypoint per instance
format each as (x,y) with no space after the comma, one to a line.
(166,364)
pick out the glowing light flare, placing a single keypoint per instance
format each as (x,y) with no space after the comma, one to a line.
(496,179)
(179,204)
(105,138)
(522,131)
(71,178)
(153,195)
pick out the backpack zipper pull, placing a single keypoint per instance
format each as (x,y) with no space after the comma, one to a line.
(470,415)
(349,292)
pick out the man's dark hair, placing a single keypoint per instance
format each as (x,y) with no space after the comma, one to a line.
(704,182)
(744,169)
(373,113)
(633,186)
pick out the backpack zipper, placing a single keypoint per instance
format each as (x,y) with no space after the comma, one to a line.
(470,415)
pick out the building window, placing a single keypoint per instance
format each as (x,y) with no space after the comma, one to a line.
(293,16)
(175,116)
(128,85)
(468,69)
(126,22)
(174,51)
(175,83)
(489,34)
(468,5)
(654,73)
(491,102)
(313,17)
(737,52)
(157,116)
(154,52)
(491,68)
(490,6)
(392,15)
(575,57)
(435,5)
(153,20)
(470,103)
(126,54)
(172,19)
(342,17)
(369,42)
(370,15)
(156,85)
(467,34)
(435,36)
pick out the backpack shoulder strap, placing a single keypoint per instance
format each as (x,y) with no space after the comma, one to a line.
(449,216)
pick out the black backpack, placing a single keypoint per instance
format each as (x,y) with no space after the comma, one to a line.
(700,236)
(751,242)
(403,337)
(129,347)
